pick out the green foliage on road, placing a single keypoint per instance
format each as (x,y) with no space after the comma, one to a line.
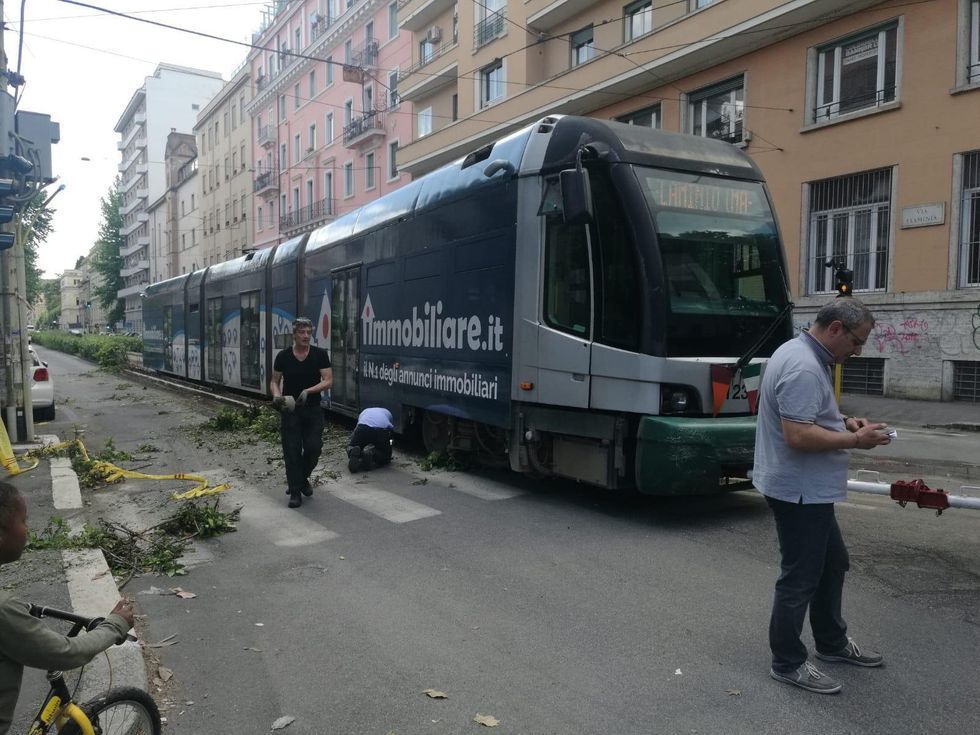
(109,351)
(157,549)
(442,461)
(260,421)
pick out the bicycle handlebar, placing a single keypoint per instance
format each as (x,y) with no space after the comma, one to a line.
(40,611)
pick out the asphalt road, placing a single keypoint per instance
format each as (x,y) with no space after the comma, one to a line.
(552,607)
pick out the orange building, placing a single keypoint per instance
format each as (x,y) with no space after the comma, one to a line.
(863,115)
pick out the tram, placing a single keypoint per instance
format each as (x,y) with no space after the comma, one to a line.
(559,300)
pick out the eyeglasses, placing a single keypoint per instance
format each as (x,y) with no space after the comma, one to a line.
(857,341)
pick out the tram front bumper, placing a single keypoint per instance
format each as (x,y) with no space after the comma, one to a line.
(689,456)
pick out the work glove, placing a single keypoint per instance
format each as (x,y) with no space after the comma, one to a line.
(277,403)
(301,399)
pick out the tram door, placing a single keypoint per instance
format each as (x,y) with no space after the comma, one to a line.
(168,338)
(345,302)
(249,330)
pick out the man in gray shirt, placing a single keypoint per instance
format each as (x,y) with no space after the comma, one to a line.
(801,467)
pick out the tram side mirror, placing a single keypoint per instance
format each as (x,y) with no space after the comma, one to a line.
(576,196)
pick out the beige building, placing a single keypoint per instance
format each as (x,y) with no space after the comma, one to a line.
(224,186)
(173,248)
(72,287)
(92,315)
(863,116)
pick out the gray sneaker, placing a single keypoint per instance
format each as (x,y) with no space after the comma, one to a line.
(808,677)
(851,654)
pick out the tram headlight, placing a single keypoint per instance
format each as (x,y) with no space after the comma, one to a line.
(675,399)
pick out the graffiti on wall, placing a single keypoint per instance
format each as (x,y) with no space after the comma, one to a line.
(950,333)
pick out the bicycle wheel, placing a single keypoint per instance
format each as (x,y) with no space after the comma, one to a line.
(123,711)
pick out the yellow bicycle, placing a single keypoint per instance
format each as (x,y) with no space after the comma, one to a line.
(120,711)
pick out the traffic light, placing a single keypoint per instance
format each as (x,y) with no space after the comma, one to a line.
(844,280)
(8,187)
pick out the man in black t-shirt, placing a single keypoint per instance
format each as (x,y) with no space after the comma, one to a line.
(303,372)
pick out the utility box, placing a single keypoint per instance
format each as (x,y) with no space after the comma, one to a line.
(35,135)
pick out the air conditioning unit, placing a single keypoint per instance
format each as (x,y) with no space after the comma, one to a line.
(434,34)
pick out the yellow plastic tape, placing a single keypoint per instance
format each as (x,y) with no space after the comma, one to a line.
(113,473)
(7,455)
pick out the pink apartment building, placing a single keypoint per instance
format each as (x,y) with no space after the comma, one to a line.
(326,117)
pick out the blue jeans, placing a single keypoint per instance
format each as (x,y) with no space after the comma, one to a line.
(302,442)
(814,562)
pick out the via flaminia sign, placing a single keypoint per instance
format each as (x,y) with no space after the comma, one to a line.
(923,215)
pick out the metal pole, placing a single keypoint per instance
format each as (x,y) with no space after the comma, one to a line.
(26,373)
(884,488)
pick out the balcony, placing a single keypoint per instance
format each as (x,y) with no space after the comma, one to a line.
(267,184)
(140,265)
(308,217)
(364,128)
(555,13)
(134,245)
(412,85)
(417,15)
(489,28)
(134,203)
(139,219)
(320,25)
(366,55)
(131,290)
(266,136)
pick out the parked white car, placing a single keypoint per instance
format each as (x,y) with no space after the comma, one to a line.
(42,389)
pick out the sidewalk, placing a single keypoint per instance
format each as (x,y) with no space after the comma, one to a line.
(69,580)
(904,412)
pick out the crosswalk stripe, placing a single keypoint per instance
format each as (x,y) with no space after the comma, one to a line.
(388,505)
(478,487)
(283,526)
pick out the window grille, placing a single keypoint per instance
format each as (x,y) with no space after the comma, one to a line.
(857,73)
(850,219)
(970,238)
(966,381)
(864,375)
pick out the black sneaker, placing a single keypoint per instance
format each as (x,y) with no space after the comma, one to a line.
(808,677)
(370,456)
(354,463)
(295,500)
(851,654)
(307,489)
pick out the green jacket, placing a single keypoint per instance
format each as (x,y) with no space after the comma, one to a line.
(27,641)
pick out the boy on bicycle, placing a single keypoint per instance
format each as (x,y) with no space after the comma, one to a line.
(25,640)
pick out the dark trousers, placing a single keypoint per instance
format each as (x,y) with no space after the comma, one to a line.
(380,438)
(302,442)
(812,568)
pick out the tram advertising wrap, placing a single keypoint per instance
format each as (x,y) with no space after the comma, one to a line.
(572,298)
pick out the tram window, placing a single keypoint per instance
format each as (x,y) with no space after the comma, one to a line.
(567,287)
(249,330)
(617,272)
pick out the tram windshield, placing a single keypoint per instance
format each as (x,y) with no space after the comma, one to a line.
(722,261)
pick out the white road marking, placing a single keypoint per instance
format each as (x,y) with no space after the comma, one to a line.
(284,526)
(64,484)
(479,487)
(389,506)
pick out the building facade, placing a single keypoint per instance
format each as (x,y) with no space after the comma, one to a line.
(861,114)
(224,193)
(72,286)
(327,121)
(169,99)
(174,248)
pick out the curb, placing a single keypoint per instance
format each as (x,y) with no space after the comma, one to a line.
(93,592)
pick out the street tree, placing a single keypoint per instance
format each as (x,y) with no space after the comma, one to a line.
(37,215)
(106,260)
(51,288)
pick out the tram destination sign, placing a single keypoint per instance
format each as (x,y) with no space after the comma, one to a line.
(689,192)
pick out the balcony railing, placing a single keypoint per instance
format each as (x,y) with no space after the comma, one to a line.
(365,55)
(310,214)
(320,26)
(489,28)
(267,180)
(266,135)
(370,123)
(433,54)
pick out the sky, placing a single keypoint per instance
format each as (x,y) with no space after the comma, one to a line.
(82,67)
